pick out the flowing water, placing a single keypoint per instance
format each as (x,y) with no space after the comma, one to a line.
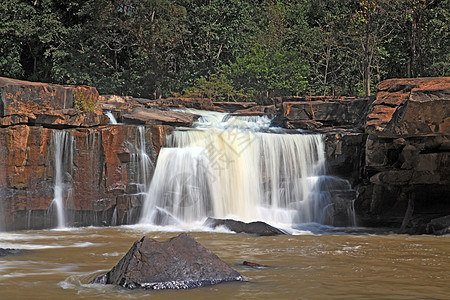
(112,119)
(57,264)
(62,146)
(240,167)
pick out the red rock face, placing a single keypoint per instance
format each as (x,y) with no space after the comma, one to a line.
(24,102)
(408,152)
(411,107)
(101,178)
(390,147)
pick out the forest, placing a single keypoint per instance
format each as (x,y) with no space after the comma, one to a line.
(228,50)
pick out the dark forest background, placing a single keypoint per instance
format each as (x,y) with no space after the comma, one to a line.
(224,49)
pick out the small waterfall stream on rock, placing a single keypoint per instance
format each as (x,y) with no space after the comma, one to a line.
(238,167)
(142,167)
(62,143)
(112,119)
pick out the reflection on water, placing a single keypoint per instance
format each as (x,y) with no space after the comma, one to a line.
(57,264)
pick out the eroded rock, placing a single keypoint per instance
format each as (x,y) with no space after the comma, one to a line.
(410,107)
(258,228)
(177,263)
(8,251)
(439,226)
(155,116)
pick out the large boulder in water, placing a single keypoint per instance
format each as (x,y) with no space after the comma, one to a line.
(258,228)
(177,263)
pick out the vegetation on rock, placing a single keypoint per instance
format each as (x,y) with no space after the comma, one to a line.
(84,101)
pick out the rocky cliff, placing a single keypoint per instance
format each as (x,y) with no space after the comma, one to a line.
(101,182)
(393,148)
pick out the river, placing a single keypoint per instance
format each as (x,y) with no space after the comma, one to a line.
(57,264)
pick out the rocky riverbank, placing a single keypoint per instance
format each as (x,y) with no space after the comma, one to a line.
(393,148)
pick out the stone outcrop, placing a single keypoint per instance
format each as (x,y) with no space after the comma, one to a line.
(257,228)
(410,107)
(8,251)
(407,154)
(155,116)
(102,186)
(177,263)
(439,225)
(35,103)
(316,112)
(393,148)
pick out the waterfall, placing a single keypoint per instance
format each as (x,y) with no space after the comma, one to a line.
(143,163)
(63,155)
(239,167)
(112,119)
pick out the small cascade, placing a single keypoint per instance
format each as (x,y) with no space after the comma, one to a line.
(141,168)
(112,119)
(143,163)
(63,155)
(241,168)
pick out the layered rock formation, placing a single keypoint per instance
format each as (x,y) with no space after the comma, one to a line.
(407,156)
(102,181)
(393,148)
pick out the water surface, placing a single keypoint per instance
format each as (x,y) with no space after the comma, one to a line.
(57,264)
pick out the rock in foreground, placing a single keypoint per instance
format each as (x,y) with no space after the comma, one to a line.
(258,228)
(177,263)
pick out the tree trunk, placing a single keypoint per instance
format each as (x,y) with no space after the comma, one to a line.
(367,61)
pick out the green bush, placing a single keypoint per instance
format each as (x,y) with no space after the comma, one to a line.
(84,102)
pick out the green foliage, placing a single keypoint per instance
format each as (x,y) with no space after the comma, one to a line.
(219,88)
(87,103)
(227,50)
(272,73)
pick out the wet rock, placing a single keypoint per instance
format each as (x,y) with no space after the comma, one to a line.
(314,113)
(155,116)
(439,226)
(177,263)
(344,150)
(258,228)
(258,109)
(163,218)
(231,107)
(254,265)
(103,175)
(8,251)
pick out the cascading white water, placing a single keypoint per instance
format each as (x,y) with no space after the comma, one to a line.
(142,166)
(142,161)
(237,167)
(112,119)
(62,147)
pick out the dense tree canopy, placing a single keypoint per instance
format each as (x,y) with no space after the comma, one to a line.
(226,49)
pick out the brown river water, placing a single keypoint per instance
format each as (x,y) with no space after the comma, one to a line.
(58,264)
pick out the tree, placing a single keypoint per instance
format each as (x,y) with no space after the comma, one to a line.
(372,24)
